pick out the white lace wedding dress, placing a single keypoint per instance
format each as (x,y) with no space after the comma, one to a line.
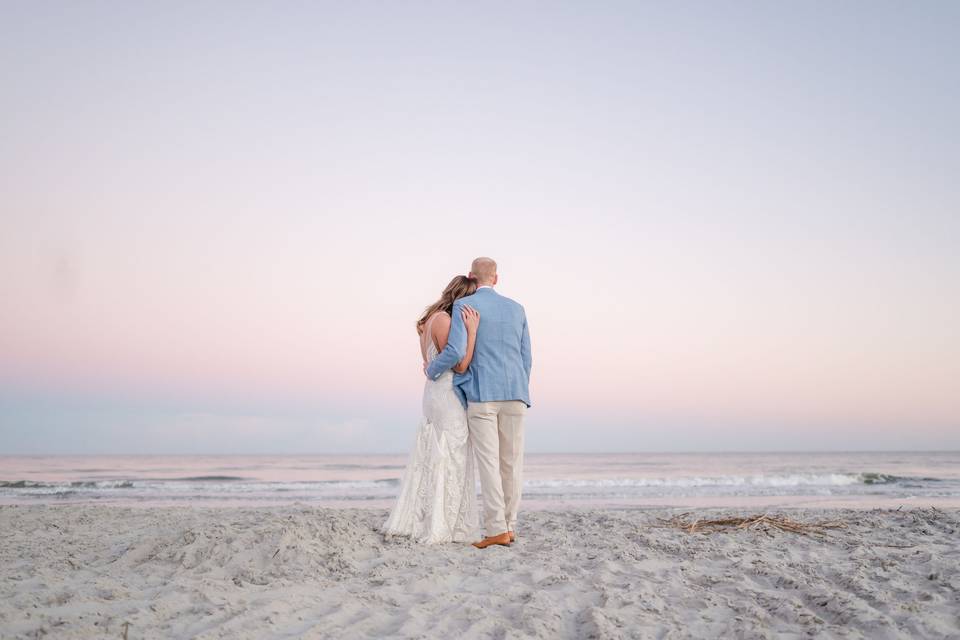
(437,501)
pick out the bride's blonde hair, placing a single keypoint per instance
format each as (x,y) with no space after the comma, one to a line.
(459,287)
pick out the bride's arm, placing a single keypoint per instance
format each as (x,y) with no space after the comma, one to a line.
(471,320)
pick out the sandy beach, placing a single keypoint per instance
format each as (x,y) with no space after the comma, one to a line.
(84,571)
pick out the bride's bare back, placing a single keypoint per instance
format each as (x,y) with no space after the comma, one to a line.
(437,330)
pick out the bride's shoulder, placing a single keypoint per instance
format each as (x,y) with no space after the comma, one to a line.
(439,319)
(439,323)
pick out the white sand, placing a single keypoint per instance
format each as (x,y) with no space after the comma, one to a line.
(85,571)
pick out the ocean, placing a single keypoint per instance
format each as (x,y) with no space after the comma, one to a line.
(551,481)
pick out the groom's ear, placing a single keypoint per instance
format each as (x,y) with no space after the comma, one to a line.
(496,277)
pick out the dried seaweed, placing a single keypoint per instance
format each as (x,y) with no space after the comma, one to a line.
(761,522)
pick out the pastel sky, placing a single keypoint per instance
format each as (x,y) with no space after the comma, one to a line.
(733,225)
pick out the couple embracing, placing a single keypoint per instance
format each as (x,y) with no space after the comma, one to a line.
(476,351)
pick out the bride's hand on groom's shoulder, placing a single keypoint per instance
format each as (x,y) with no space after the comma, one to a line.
(471,317)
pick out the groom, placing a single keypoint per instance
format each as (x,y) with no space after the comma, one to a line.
(495,391)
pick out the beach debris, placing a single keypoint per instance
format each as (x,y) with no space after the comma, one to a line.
(760,522)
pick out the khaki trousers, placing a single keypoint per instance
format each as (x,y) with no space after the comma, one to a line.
(496,430)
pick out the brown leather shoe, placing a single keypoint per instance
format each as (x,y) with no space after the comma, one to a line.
(513,536)
(502,539)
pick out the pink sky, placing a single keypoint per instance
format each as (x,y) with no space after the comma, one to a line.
(744,264)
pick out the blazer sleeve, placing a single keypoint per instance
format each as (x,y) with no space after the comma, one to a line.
(525,347)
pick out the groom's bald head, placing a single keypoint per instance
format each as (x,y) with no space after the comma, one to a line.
(484,270)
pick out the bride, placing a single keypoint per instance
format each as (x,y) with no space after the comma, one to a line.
(437,501)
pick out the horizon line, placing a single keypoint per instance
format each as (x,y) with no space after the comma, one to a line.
(529,453)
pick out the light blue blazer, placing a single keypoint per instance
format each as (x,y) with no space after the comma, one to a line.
(500,369)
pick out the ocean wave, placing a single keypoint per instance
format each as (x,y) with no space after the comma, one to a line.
(319,484)
(102,484)
(349,467)
(238,483)
(76,484)
(205,479)
(212,483)
(234,487)
(783,480)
